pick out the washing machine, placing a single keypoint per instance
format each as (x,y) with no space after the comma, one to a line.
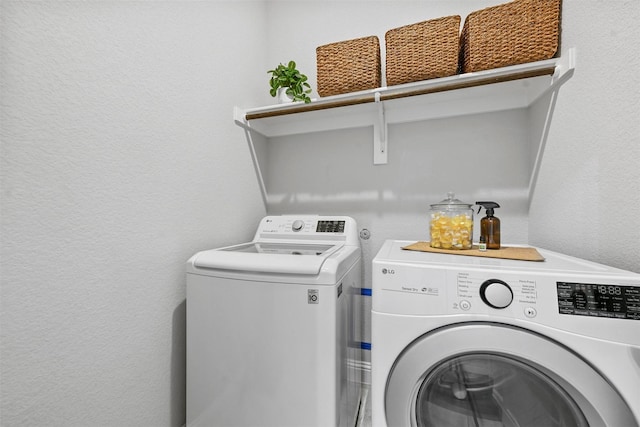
(269,327)
(469,341)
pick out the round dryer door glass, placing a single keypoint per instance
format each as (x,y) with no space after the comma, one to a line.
(489,390)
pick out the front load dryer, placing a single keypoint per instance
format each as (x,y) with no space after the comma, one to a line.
(269,325)
(469,341)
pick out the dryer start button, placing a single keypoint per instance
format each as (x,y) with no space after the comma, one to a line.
(496,293)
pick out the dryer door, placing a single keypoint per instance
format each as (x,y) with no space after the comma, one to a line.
(488,374)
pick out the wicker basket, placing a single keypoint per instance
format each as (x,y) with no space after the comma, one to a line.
(422,51)
(509,34)
(348,66)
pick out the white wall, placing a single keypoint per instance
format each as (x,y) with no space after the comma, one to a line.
(586,203)
(119,160)
(479,157)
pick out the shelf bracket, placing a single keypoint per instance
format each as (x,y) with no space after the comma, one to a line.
(564,71)
(380,142)
(239,117)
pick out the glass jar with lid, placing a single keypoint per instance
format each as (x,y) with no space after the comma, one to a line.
(451,224)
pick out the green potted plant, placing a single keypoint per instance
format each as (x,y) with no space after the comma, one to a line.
(288,78)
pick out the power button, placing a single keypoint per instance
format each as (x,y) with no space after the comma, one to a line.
(465,305)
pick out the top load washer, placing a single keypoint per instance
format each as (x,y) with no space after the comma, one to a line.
(469,341)
(269,325)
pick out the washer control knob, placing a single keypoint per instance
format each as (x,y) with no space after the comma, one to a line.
(496,293)
(298,225)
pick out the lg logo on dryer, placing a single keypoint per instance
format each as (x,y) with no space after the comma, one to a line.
(388,271)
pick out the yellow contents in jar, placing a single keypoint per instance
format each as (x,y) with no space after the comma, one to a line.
(451,232)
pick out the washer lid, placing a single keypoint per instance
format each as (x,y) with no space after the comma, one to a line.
(268,257)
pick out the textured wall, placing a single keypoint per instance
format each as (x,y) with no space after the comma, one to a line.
(587,202)
(480,157)
(119,160)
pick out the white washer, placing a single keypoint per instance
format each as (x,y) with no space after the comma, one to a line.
(269,326)
(468,341)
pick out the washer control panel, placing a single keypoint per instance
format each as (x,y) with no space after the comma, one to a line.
(308,227)
(293,224)
(322,226)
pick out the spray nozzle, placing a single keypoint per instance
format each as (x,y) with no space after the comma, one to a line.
(489,206)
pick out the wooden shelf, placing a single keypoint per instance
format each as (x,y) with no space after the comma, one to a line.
(518,86)
(499,89)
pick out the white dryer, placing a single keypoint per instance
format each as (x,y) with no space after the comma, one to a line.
(269,327)
(468,341)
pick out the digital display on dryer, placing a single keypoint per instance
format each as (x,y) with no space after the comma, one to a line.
(599,300)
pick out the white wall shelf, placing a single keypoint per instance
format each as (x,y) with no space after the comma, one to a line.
(518,86)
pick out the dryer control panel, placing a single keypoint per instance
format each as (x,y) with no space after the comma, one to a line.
(485,292)
(563,292)
(599,300)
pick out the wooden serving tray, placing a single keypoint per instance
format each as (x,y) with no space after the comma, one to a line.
(505,252)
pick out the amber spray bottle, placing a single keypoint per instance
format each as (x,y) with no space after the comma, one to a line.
(490,225)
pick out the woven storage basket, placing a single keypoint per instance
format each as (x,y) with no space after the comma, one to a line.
(422,51)
(348,66)
(509,34)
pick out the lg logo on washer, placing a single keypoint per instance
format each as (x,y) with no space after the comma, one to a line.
(388,271)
